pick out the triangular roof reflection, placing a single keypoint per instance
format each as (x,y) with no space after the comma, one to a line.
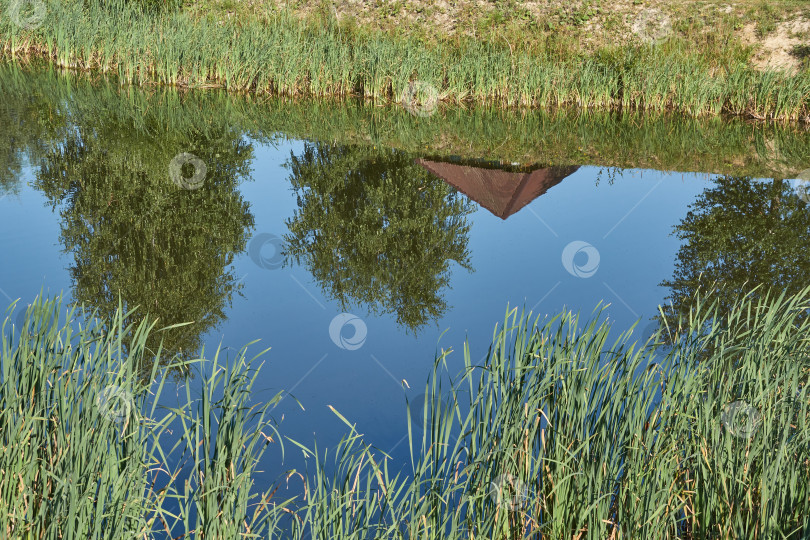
(503,189)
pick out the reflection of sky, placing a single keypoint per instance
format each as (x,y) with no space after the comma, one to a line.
(30,251)
(517,262)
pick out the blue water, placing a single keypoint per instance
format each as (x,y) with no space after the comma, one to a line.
(516,262)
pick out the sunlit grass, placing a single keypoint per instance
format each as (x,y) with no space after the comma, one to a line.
(89,452)
(565,433)
(562,430)
(284,56)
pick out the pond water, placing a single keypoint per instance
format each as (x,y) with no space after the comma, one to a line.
(356,263)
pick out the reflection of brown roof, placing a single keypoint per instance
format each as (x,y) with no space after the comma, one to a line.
(501,192)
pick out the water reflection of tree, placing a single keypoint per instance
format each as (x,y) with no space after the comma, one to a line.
(137,236)
(377,230)
(24,132)
(739,234)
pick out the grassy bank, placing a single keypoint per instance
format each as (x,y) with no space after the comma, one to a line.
(279,53)
(626,140)
(559,433)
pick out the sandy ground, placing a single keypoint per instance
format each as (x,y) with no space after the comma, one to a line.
(781,49)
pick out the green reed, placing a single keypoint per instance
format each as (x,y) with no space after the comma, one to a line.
(88,450)
(563,433)
(563,430)
(286,56)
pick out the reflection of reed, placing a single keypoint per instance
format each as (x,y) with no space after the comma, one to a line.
(500,191)
(629,139)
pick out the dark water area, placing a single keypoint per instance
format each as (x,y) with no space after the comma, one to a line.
(356,264)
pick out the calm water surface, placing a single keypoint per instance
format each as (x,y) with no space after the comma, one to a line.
(356,264)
